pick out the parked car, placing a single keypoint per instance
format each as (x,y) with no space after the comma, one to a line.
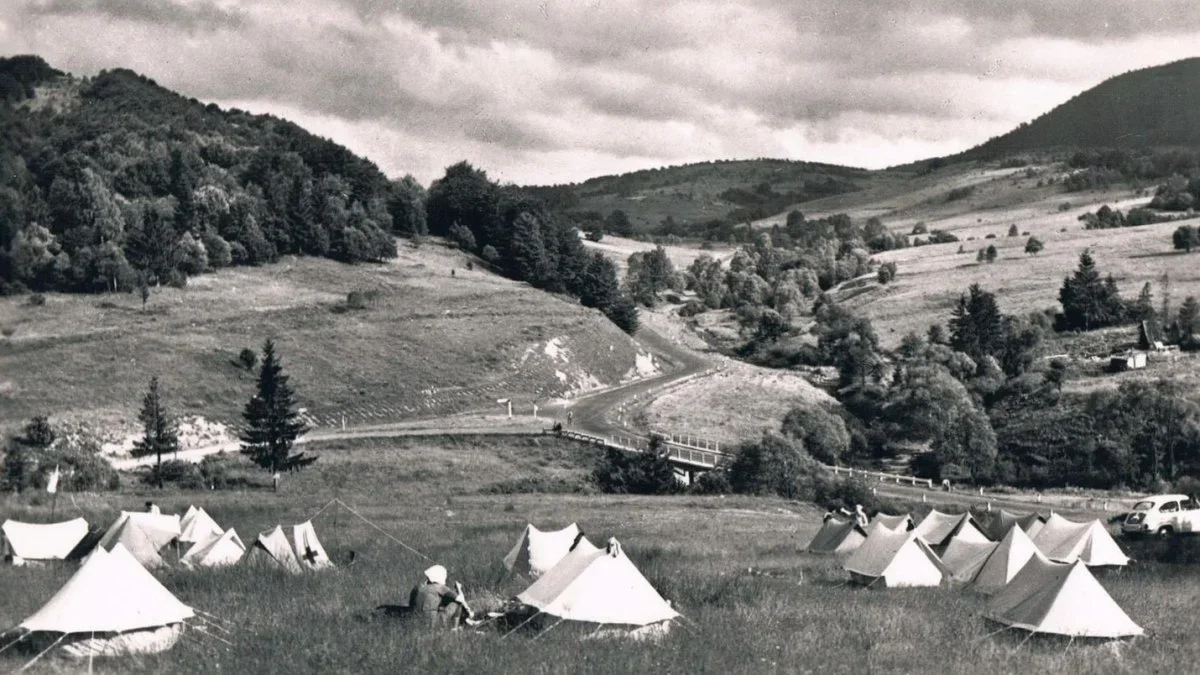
(1163,516)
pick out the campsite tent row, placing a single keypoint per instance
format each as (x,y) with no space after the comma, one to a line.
(1052,592)
(573,579)
(145,535)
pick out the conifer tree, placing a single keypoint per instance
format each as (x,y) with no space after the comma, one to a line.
(160,434)
(272,426)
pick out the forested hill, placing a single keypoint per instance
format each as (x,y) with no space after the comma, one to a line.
(109,181)
(1155,107)
(701,200)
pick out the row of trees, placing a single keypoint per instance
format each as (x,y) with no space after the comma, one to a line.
(524,240)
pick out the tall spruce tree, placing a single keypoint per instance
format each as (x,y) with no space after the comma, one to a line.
(977,326)
(159,433)
(1088,301)
(272,426)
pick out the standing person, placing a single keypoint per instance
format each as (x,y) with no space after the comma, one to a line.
(151,507)
(437,603)
(861,516)
(570,418)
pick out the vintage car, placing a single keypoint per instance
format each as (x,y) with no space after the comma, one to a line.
(1163,516)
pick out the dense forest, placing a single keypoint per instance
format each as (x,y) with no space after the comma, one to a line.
(113,181)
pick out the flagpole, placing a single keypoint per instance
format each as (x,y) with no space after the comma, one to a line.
(52,486)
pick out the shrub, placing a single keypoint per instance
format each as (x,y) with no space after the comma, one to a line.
(248,358)
(81,468)
(362,299)
(490,254)
(920,228)
(644,473)
(37,299)
(176,472)
(822,432)
(715,482)
(960,193)
(769,466)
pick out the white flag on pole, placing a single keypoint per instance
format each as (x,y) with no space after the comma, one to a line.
(52,484)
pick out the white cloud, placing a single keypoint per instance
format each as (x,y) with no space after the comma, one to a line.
(561,90)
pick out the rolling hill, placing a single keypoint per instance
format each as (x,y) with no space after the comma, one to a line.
(1156,107)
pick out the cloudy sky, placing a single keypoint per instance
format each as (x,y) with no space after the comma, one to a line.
(550,91)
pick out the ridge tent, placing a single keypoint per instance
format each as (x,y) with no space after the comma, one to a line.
(899,559)
(1066,541)
(598,586)
(895,523)
(1032,523)
(1006,561)
(136,541)
(198,528)
(964,558)
(938,528)
(1062,599)
(837,536)
(161,529)
(225,550)
(272,548)
(537,551)
(111,606)
(36,542)
(309,550)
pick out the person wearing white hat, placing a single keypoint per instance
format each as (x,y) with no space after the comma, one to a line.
(435,601)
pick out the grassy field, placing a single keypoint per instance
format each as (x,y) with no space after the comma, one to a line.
(437,339)
(619,249)
(732,566)
(734,405)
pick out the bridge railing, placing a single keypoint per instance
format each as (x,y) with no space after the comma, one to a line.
(701,457)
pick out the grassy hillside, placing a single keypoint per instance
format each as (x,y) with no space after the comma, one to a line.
(753,602)
(735,191)
(433,338)
(1152,107)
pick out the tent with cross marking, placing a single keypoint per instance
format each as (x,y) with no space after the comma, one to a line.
(537,551)
(272,549)
(309,550)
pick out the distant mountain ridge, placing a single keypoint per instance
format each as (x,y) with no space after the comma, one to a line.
(1157,107)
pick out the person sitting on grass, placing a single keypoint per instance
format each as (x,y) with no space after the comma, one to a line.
(436,602)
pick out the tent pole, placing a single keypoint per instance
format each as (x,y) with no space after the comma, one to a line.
(521,625)
(21,637)
(43,653)
(91,654)
(552,627)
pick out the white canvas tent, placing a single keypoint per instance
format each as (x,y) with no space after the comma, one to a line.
(938,528)
(837,536)
(1066,541)
(899,523)
(137,541)
(111,606)
(223,551)
(38,542)
(1062,599)
(161,529)
(272,548)
(1002,521)
(598,586)
(309,551)
(963,558)
(537,551)
(1006,561)
(198,527)
(895,559)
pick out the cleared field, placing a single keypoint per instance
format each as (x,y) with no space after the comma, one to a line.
(618,249)
(436,339)
(736,404)
(754,603)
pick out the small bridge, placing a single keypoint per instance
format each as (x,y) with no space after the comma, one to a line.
(691,454)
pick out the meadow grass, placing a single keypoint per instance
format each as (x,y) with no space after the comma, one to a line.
(430,344)
(754,603)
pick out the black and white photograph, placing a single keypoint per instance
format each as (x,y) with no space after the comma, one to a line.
(599,336)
